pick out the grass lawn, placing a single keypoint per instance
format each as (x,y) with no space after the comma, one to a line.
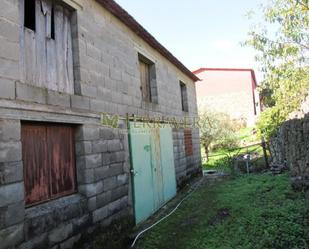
(218,158)
(255,211)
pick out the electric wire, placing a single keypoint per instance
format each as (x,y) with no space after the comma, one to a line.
(166,216)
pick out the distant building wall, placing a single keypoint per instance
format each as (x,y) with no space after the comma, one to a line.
(231,92)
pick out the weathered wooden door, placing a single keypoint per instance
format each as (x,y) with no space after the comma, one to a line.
(153,169)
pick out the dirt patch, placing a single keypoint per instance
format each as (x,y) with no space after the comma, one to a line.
(222,214)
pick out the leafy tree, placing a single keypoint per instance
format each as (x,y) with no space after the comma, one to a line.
(284,56)
(217,129)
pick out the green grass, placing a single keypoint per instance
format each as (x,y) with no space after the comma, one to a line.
(217,158)
(245,135)
(262,213)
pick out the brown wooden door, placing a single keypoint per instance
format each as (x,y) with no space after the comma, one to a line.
(49,162)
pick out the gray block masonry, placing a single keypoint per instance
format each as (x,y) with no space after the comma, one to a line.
(106,79)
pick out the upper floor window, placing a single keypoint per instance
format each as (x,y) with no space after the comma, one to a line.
(46,45)
(148,79)
(184,97)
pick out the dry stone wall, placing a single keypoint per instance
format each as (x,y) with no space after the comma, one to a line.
(290,148)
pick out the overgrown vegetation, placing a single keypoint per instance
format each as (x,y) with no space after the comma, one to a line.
(218,131)
(228,159)
(284,56)
(256,211)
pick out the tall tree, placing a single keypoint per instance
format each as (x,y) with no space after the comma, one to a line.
(284,56)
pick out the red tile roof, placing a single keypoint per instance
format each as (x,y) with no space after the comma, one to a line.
(130,22)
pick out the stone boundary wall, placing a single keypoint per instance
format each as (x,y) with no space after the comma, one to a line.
(290,149)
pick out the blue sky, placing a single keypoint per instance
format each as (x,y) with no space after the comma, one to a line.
(201,33)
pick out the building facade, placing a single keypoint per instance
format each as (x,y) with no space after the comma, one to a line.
(62,173)
(231,91)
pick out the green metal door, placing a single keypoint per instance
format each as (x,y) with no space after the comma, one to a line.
(153,169)
(140,150)
(156,168)
(167,162)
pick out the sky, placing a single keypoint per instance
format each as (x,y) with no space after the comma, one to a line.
(200,33)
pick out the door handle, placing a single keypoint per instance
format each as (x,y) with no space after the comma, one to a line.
(134,173)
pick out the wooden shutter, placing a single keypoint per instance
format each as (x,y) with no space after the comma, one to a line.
(36,171)
(145,81)
(61,160)
(188,142)
(48,159)
(46,51)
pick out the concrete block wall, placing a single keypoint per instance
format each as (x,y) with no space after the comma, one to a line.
(186,166)
(102,172)
(106,80)
(12,206)
(109,69)
(9,49)
(102,195)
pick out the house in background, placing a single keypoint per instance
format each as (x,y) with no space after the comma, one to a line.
(229,90)
(62,174)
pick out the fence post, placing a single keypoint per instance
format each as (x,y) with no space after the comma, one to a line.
(265,152)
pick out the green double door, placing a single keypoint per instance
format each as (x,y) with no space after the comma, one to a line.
(153,170)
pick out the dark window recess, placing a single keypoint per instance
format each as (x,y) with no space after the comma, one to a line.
(29,21)
(184,97)
(48,160)
(52,23)
(188,142)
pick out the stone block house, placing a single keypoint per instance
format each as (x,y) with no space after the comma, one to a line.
(229,90)
(62,173)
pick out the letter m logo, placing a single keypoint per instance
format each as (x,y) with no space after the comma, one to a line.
(109,120)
